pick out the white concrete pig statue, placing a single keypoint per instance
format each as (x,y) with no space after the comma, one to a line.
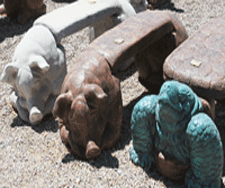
(36,74)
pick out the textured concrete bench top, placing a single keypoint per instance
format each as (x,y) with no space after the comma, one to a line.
(200,61)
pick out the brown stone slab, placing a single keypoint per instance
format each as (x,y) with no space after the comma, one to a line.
(200,61)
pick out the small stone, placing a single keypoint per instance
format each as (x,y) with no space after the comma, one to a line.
(119,172)
(78,180)
(196,63)
(119,41)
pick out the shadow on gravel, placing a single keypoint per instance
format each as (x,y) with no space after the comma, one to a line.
(168,183)
(170,6)
(125,137)
(9,28)
(47,124)
(123,75)
(64,1)
(105,159)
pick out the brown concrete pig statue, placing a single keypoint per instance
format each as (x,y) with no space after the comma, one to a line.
(89,108)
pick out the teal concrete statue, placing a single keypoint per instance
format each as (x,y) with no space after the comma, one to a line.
(172,132)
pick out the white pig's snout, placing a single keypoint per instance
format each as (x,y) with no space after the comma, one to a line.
(35,115)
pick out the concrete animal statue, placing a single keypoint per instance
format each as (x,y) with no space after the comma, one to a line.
(171,130)
(38,67)
(23,10)
(36,74)
(89,108)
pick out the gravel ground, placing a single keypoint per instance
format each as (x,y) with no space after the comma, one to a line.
(33,156)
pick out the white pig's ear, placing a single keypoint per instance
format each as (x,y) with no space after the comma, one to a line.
(9,73)
(39,62)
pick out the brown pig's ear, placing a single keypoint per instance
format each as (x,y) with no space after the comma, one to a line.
(95,96)
(62,105)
